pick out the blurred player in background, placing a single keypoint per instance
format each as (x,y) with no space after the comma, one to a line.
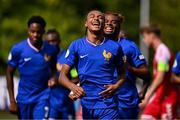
(128,97)
(61,107)
(96,59)
(35,61)
(161,99)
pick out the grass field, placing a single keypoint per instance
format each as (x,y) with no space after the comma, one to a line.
(4,115)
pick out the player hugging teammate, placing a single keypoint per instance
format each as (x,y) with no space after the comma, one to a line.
(107,67)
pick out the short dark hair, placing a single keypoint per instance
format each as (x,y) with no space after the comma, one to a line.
(53,31)
(120,16)
(37,19)
(153,28)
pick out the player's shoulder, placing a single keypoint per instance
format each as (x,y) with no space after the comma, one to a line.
(50,48)
(163,50)
(178,55)
(128,42)
(112,42)
(20,45)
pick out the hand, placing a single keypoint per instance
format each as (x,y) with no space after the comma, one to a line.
(143,104)
(13,108)
(110,90)
(52,82)
(77,91)
(141,96)
(72,96)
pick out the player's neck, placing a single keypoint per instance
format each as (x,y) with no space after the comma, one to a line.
(38,44)
(156,43)
(112,37)
(95,38)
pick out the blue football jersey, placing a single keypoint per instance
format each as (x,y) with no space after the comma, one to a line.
(34,68)
(176,66)
(128,94)
(96,65)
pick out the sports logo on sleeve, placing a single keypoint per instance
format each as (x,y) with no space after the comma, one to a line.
(107,55)
(141,57)
(47,57)
(175,64)
(9,56)
(67,53)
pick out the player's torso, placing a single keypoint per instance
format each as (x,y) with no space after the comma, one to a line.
(96,61)
(34,62)
(127,94)
(166,86)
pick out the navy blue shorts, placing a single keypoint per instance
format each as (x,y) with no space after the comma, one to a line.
(103,113)
(61,114)
(38,110)
(128,113)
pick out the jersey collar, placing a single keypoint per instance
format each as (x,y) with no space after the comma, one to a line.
(31,46)
(95,44)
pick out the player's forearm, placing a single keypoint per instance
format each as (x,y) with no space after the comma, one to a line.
(141,72)
(121,76)
(10,84)
(155,84)
(65,81)
(175,79)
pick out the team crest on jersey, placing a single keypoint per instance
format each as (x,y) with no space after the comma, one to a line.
(107,55)
(47,57)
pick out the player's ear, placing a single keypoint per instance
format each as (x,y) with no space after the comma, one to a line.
(85,24)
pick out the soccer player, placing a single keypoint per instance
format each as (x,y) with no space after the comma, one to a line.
(96,58)
(161,99)
(35,60)
(175,78)
(61,107)
(128,98)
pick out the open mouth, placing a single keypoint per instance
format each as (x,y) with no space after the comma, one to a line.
(109,29)
(96,23)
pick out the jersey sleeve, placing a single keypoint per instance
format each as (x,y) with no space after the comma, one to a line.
(71,55)
(14,56)
(120,58)
(163,58)
(176,66)
(136,56)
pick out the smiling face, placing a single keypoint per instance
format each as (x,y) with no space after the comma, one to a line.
(35,32)
(112,24)
(95,21)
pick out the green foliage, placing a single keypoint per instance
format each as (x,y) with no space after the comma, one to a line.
(68,16)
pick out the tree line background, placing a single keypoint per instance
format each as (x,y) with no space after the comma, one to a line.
(68,16)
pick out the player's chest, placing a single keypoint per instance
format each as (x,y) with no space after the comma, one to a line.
(29,57)
(97,55)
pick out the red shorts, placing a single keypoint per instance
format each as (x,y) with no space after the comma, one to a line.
(165,109)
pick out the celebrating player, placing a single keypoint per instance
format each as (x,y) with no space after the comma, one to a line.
(35,60)
(96,59)
(61,107)
(128,98)
(161,99)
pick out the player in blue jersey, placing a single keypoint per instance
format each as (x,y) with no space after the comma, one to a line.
(96,58)
(176,70)
(128,97)
(61,107)
(35,61)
